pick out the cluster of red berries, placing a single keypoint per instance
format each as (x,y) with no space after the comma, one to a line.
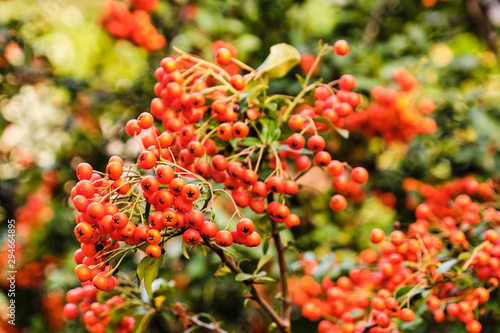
(330,103)
(336,301)
(135,26)
(215,142)
(93,314)
(438,197)
(393,115)
(425,258)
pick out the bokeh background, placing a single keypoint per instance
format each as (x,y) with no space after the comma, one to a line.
(69,83)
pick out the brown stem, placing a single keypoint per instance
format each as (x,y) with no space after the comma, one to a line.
(373,26)
(207,326)
(256,296)
(477,12)
(286,303)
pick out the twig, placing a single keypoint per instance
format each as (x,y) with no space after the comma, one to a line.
(283,326)
(478,15)
(373,25)
(286,303)
(200,323)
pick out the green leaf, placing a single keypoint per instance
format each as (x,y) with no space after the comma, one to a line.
(280,60)
(143,266)
(151,274)
(250,141)
(245,303)
(265,246)
(300,79)
(264,260)
(446,266)
(243,277)
(400,292)
(303,151)
(270,130)
(464,256)
(271,106)
(231,251)
(184,251)
(223,271)
(144,323)
(116,315)
(265,279)
(242,261)
(342,132)
(201,249)
(322,120)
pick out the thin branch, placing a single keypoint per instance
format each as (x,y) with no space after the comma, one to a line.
(211,327)
(478,15)
(256,296)
(286,302)
(373,26)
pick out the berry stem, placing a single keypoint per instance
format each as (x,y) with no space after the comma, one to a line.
(286,302)
(283,326)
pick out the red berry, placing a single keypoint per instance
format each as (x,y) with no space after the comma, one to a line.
(341,48)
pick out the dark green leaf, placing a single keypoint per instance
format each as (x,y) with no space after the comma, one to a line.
(400,292)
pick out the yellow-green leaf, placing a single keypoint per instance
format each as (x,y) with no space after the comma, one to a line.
(282,58)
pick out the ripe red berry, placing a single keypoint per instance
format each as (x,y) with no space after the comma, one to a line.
(359,175)
(132,128)
(245,227)
(240,129)
(223,56)
(209,229)
(195,219)
(316,143)
(145,120)
(275,184)
(190,192)
(383,320)
(347,82)
(341,48)
(84,171)
(70,311)
(407,314)
(238,82)
(377,236)
(146,160)
(292,221)
(338,202)
(296,141)
(252,240)
(153,251)
(223,238)
(82,272)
